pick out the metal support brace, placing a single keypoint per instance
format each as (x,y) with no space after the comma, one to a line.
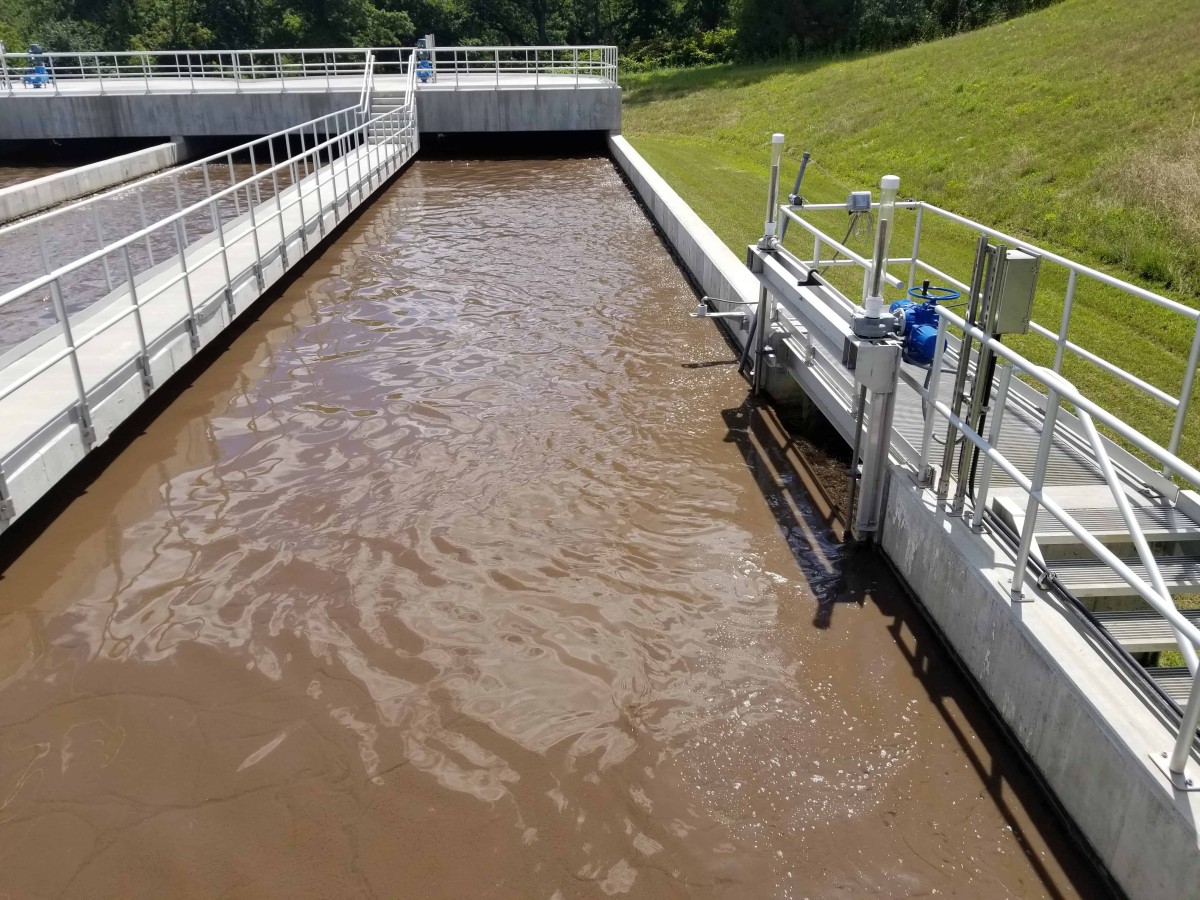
(876,366)
(8,510)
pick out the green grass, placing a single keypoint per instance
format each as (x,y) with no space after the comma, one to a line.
(1077,127)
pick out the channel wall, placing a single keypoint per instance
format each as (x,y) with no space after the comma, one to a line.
(41,193)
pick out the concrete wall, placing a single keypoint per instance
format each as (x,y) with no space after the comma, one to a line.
(22,199)
(45,116)
(519,109)
(1079,719)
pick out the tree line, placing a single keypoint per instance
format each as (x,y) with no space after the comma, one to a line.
(651,33)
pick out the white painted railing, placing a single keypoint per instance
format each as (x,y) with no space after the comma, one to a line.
(283,70)
(166,280)
(1057,400)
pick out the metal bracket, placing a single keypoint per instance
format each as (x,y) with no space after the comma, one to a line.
(193,328)
(1187,781)
(229,303)
(147,374)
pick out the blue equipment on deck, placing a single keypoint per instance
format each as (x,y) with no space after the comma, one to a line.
(37,78)
(424,71)
(916,321)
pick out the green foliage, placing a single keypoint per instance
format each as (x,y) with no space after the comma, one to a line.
(1017,126)
(652,33)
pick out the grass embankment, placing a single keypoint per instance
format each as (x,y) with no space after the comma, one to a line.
(1077,127)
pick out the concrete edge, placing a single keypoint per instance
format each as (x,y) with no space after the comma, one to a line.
(42,193)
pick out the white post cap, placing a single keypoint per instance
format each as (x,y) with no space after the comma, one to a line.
(890,182)
(777,138)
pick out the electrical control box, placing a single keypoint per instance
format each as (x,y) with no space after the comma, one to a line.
(875,364)
(1013,291)
(858,202)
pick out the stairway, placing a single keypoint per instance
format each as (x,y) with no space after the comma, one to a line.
(384,102)
(1173,532)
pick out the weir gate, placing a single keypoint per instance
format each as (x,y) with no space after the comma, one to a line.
(1045,536)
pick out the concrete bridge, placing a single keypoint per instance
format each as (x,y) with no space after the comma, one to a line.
(189,94)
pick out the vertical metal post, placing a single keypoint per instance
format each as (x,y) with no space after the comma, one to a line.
(1187,732)
(4,69)
(179,198)
(147,378)
(924,470)
(142,218)
(325,60)
(220,229)
(993,438)
(912,263)
(317,181)
(85,414)
(1185,397)
(100,245)
(99,74)
(237,206)
(964,364)
(1035,495)
(146,71)
(180,247)
(283,257)
(258,265)
(1064,324)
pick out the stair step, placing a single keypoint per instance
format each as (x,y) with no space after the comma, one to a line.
(1158,523)
(1176,681)
(1142,630)
(1092,578)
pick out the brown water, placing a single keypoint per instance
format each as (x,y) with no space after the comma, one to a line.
(467,572)
(13,174)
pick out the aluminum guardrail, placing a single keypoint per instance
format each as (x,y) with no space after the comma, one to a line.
(296,69)
(329,164)
(1058,399)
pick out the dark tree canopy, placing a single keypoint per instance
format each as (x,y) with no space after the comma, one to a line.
(650,32)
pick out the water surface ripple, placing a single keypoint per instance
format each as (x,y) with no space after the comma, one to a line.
(464,573)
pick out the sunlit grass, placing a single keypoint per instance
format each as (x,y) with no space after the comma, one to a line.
(1075,128)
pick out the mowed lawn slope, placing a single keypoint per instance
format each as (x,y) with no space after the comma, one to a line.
(1076,127)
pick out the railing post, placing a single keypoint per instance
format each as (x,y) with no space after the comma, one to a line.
(181,252)
(1187,735)
(1185,396)
(219,227)
(1065,322)
(283,257)
(237,206)
(237,72)
(100,244)
(142,218)
(317,181)
(53,76)
(4,69)
(144,362)
(916,247)
(1035,496)
(85,414)
(924,470)
(985,475)
(146,71)
(99,74)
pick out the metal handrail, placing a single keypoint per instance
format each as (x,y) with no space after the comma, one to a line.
(364,96)
(303,68)
(94,256)
(1179,405)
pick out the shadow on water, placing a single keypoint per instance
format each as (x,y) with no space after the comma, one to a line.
(800,473)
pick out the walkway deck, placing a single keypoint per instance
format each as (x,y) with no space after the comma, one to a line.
(173,310)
